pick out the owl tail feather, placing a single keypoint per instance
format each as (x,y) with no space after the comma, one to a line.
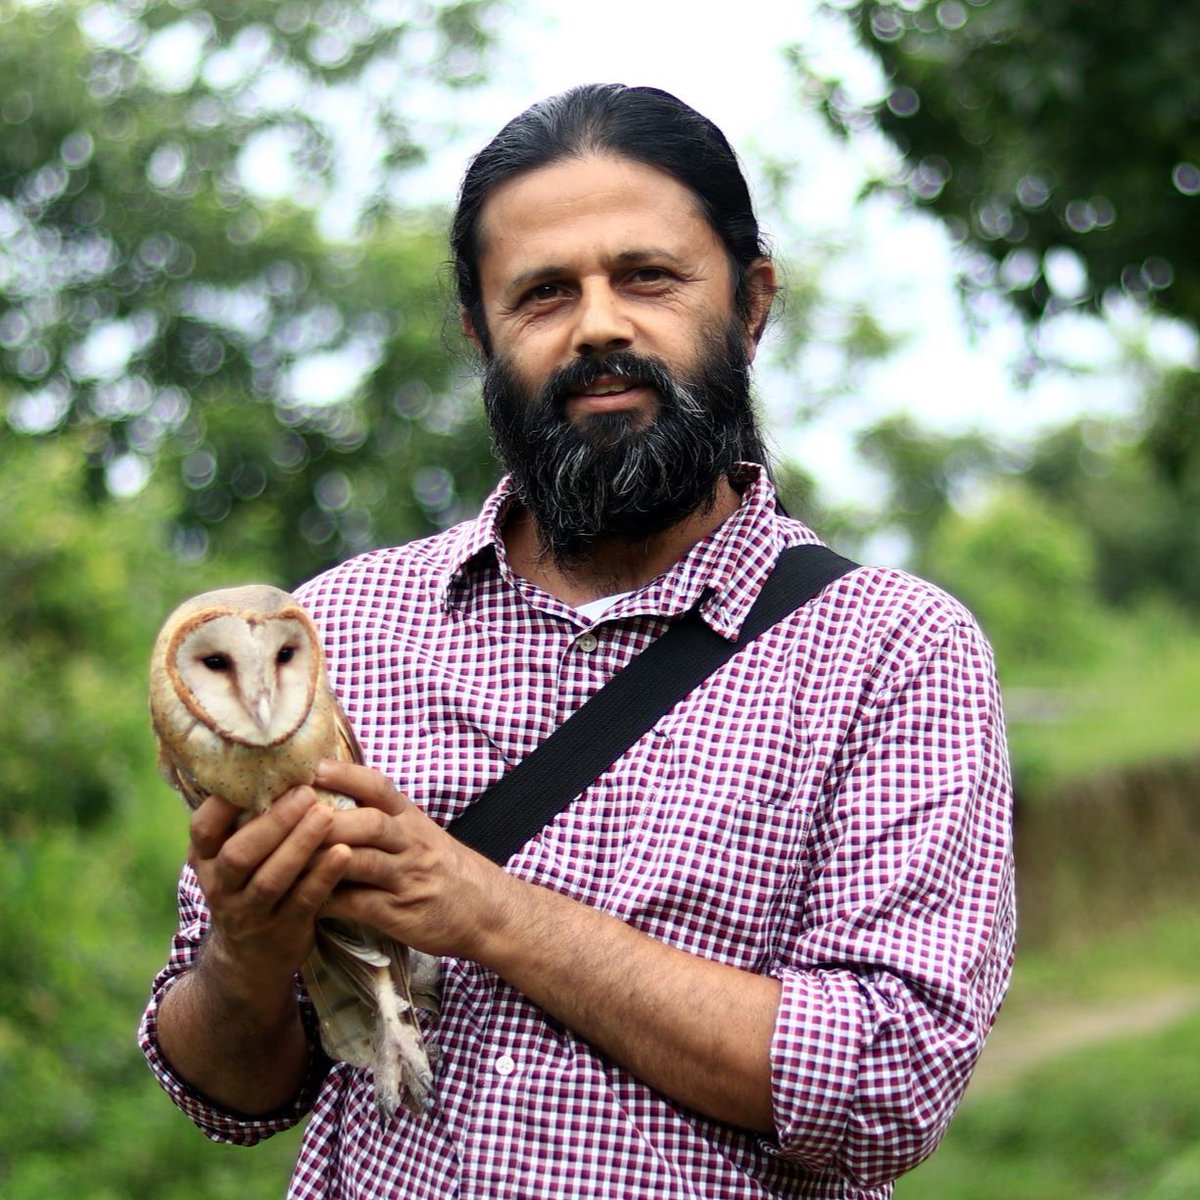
(367,1015)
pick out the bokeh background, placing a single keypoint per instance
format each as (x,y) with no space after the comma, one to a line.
(227,352)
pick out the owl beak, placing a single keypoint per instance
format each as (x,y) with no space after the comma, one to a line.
(262,711)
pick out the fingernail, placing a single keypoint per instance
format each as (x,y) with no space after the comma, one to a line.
(302,796)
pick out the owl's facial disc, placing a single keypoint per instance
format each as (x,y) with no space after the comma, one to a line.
(250,678)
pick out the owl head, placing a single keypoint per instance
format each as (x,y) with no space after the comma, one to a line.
(245,662)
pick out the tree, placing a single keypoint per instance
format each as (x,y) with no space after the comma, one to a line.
(90,844)
(1026,571)
(925,471)
(1042,127)
(189,364)
(1060,143)
(297,384)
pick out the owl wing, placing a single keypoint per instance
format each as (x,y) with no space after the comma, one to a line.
(174,770)
(367,988)
(423,970)
(347,748)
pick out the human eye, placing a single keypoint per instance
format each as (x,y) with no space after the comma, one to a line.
(543,293)
(650,278)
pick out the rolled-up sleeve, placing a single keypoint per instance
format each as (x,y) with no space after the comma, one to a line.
(901,940)
(217,1123)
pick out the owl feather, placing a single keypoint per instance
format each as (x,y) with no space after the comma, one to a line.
(241,704)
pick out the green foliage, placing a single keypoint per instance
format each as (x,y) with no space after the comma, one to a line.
(90,844)
(160,327)
(1037,127)
(84,586)
(1027,574)
(1133,701)
(1060,144)
(925,471)
(296,386)
(1119,1122)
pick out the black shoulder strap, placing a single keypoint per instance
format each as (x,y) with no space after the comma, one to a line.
(525,799)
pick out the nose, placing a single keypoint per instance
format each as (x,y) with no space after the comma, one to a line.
(602,323)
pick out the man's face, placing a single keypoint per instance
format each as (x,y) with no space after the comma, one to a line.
(589,256)
(617,384)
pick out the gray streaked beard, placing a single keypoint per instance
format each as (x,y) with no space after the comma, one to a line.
(610,476)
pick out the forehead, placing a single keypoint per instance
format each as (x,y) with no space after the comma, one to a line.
(580,207)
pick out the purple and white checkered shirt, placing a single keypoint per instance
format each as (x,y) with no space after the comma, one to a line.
(831,808)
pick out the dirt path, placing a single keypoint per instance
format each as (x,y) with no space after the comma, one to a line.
(1026,1042)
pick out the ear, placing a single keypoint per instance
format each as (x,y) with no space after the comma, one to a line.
(467,325)
(760,295)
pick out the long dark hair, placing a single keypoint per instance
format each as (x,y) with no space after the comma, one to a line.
(640,123)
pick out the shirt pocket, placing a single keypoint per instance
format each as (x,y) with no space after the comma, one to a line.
(720,827)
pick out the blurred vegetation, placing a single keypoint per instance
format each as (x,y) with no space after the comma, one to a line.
(153,297)
(222,357)
(1038,128)
(1060,145)
(214,365)
(90,843)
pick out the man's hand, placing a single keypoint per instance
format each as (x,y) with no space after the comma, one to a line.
(697,1030)
(264,884)
(406,875)
(230,1025)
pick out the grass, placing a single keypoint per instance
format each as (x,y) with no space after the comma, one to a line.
(1118,1121)
(1135,701)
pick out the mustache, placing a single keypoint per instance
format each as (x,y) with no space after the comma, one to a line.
(638,369)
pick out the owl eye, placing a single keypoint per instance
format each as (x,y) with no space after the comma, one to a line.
(285,654)
(216,662)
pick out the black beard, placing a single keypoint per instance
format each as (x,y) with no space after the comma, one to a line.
(611,476)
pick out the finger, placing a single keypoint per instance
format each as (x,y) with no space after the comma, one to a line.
(294,818)
(211,824)
(366,827)
(368,905)
(313,890)
(367,865)
(367,786)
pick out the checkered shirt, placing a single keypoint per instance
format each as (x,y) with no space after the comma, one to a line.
(831,808)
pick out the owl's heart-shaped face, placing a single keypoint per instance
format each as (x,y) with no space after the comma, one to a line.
(249,677)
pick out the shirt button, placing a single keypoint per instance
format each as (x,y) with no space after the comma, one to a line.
(505,1065)
(587,642)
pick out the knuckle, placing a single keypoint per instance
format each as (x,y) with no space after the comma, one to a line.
(260,890)
(234,859)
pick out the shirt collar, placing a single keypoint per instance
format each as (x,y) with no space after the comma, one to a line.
(473,539)
(721,575)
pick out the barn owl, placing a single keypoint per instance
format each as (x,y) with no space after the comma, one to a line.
(242,707)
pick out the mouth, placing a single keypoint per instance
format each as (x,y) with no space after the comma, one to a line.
(610,393)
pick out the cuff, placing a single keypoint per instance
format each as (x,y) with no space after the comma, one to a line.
(217,1123)
(815,1054)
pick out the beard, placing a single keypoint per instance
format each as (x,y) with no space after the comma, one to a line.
(615,476)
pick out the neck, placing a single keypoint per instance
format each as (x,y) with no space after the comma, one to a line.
(612,566)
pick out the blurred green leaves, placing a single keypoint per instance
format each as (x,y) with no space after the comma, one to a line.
(1061,141)
(222,358)
(170,281)
(1060,145)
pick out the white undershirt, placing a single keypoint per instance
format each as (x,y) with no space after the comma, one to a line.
(595,609)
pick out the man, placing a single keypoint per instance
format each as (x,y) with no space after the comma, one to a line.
(759,955)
